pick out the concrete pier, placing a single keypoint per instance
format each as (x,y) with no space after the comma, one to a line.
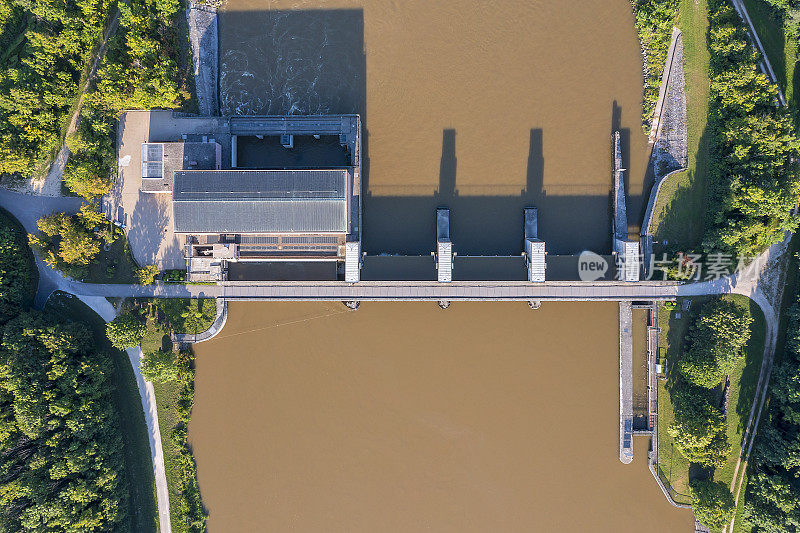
(534,248)
(444,248)
(625,382)
(627,251)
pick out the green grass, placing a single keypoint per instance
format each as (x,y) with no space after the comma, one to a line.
(675,470)
(744,381)
(115,265)
(678,217)
(781,50)
(162,314)
(167,395)
(138,466)
(673,467)
(187,315)
(738,524)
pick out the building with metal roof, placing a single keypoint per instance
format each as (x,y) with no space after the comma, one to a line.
(264,202)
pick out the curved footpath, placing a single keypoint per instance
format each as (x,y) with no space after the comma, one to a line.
(103,307)
(28,209)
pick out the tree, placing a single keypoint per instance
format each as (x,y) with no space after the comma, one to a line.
(160,366)
(699,429)
(61,458)
(147,275)
(716,341)
(69,242)
(126,331)
(712,503)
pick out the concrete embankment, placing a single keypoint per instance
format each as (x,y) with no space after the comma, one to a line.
(212,331)
(669,154)
(204,38)
(625,382)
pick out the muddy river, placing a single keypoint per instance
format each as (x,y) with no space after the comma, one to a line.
(403,417)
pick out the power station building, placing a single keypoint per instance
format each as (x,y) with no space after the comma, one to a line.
(286,210)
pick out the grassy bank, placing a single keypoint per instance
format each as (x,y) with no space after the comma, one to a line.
(174,400)
(678,217)
(781,49)
(675,469)
(138,466)
(115,265)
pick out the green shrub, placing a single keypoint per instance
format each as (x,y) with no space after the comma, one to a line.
(147,275)
(160,366)
(654,21)
(126,331)
(716,342)
(699,429)
(712,503)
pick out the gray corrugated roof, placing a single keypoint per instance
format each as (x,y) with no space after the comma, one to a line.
(260,201)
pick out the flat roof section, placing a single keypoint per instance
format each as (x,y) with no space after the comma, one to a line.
(160,161)
(261,201)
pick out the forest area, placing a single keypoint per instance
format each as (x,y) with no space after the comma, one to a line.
(61,450)
(49,45)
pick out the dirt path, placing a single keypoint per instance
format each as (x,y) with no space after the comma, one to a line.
(50,185)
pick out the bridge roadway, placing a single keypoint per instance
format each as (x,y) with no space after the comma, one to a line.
(392,290)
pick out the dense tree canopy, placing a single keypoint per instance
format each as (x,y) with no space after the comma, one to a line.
(71,242)
(139,71)
(712,503)
(60,464)
(39,78)
(753,171)
(126,331)
(699,429)
(772,501)
(716,342)
(160,366)
(17,272)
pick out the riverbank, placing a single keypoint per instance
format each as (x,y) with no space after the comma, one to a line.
(678,214)
(674,469)
(167,319)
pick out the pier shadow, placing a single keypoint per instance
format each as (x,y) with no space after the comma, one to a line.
(491,225)
(314,61)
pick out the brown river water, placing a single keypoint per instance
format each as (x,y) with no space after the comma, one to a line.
(404,417)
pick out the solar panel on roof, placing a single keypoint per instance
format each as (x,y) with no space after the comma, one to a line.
(152,169)
(155,152)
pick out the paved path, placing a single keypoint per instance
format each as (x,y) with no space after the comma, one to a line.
(102,307)
(28,209)
(625,382)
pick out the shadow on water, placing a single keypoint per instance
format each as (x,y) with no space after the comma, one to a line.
(490,225)
(313,61)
